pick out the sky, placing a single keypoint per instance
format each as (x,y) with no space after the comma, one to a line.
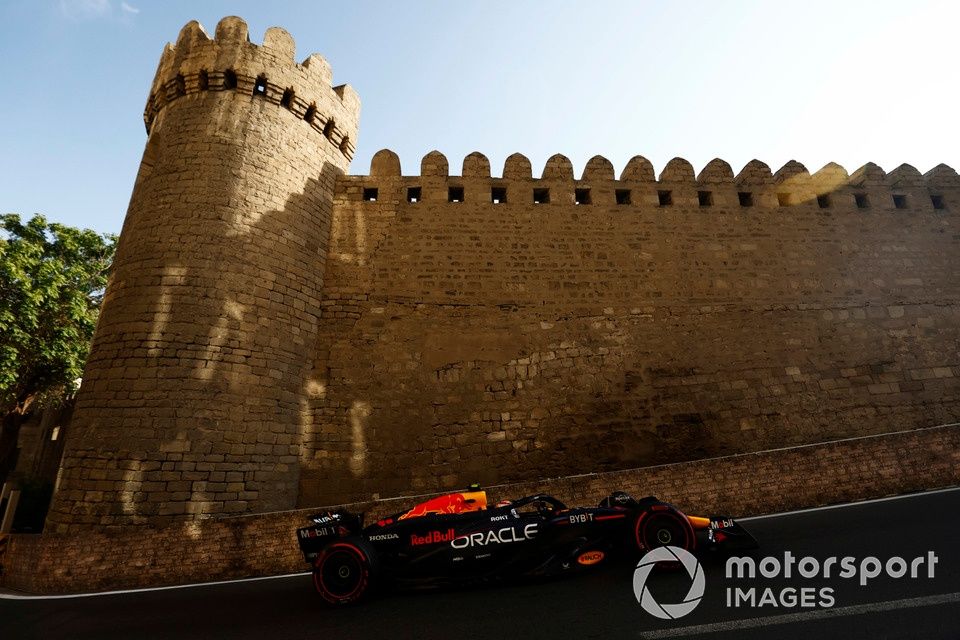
(850,82)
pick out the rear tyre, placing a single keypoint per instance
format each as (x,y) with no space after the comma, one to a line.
(660,526)
(344,571)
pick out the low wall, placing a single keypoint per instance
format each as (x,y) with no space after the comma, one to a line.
(265,544)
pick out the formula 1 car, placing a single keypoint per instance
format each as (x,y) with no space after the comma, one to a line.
(455,539)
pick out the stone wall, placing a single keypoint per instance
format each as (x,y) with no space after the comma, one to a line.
(623,322)
(198,373)
(255,545)
(279,334)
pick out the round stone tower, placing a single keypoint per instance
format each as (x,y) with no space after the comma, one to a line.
(196,388)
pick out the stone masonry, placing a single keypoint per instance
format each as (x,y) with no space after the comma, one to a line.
(192,398)
(265,544)
(278,333)
(491,329)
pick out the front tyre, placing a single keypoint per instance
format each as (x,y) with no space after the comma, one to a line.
(660,526)
(344,571)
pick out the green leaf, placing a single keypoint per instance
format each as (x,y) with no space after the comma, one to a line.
(52,279)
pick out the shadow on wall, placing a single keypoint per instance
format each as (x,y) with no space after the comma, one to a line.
(210,419)
(740,313)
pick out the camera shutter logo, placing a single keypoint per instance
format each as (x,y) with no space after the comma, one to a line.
(646,599)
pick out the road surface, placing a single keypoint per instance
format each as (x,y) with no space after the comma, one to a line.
(596,605)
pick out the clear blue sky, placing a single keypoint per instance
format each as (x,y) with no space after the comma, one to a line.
(849,82)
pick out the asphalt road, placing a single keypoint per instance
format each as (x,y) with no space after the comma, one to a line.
(596,605)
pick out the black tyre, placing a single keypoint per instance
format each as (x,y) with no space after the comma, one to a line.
(661,525)
(345,571)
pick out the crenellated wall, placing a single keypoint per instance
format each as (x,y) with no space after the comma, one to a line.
(277,333)
(656,321)
(230,62)
(193,394)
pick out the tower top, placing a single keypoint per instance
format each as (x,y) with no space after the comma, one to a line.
(230,62)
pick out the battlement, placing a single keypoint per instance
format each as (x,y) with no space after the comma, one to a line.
(230,62)
(279,333)
(715,187)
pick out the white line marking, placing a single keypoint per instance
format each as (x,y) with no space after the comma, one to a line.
(806,616)
(19,596)
(849,504)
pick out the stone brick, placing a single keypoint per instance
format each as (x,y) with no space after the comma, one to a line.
(740,485)
(272,320)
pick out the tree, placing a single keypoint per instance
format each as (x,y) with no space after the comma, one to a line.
(52,279)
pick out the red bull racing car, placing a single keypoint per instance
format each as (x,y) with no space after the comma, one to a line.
(456,539)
